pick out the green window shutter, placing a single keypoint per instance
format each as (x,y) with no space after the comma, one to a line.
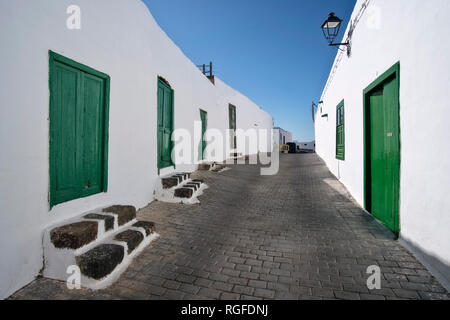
(202,145)
(165,125)
(340,131)
(232,125)
(79,103)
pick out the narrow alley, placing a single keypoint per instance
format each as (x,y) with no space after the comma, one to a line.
(296,235)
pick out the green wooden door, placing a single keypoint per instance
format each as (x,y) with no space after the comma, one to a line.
(232,125)
(385,153)
(78,130)
(165,125)
(202,146)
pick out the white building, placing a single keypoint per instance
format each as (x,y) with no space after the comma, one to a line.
(121,67)
(283,136)
(382,106)
(310,146)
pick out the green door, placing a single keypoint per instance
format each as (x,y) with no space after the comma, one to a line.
(78,130)
(202,146)
(384,152)
(232,125)
(165,125)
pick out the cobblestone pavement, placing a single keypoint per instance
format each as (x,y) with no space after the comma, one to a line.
(297,235)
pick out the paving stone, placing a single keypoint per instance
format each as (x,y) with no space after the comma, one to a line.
(345,295)
(264,293)
(322,292)
(171,284)
(243,290)
(230,296)
(190,289)
(75,235)
(408,294)
(109,220)
(222,286)
(419,279)
(203,282)
(283,295)
(125,213)
(257,284)
(279,272)
(186,278)
(249,275)
(173,294)
(244,268)
(433,296)
(231,272)
(239,281)
(268,277)
(252,262)
(218,277)
(365,296)
(210,293)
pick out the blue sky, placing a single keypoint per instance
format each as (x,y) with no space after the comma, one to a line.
(273,51)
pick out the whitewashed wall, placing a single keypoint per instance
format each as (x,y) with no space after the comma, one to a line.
(119,38)
(307,145)
(280,134)
(410,31)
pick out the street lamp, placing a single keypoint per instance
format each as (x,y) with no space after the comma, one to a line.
(330,29)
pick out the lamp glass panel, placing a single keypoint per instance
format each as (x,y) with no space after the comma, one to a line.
(333,24)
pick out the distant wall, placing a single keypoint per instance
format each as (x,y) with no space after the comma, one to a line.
(306,145)
(283,134)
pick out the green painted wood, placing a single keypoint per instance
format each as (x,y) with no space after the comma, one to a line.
(232,125)
(165,125)
(382,148)
(79,104)
(340,131)
(202,145)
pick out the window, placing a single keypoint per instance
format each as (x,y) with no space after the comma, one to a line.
(340,131)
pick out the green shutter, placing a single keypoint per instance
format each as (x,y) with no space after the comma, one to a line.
(340,131)
(232,125)
(202,145)
(165,125)
(79,101)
